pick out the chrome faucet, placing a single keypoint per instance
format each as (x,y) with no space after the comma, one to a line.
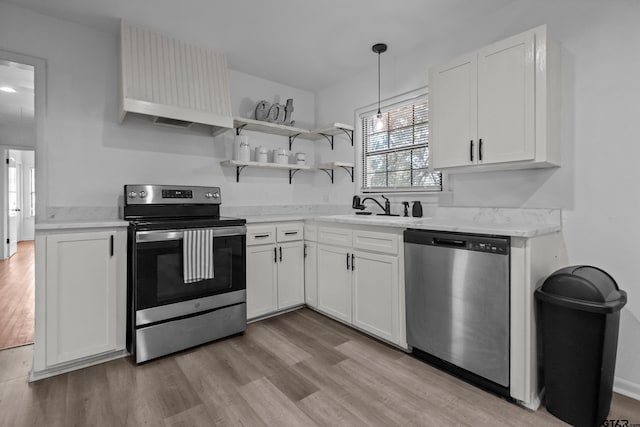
(359,204)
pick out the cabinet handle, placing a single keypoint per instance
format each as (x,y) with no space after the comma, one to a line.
(280,253)
(471,150)
(111,244)
(275,254)
(290,233)
(353,262)
(304,253)
(261,236)
(480,149)
(348,266)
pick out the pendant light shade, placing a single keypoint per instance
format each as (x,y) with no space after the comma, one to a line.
(379,48)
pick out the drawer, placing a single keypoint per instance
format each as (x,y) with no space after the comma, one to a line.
(261,234)
(311,233)
(289,232)
(376,241)
(335,236)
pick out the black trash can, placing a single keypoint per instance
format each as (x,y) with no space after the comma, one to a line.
(579,313)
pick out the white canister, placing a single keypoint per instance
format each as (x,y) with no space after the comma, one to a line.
(281,156)
(244,150)
(301,158)
(262,154)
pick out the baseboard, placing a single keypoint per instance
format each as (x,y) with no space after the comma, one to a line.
(627,388)
(78,364)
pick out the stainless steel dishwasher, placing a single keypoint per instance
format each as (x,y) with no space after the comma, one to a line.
(457,303)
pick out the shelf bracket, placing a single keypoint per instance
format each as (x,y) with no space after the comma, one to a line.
(329,172)
(291,139)
(349,170)
(349,134)
(240,128)
(238,170)
(292,172)
(328,138)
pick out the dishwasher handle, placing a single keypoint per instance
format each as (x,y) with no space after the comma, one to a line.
(452,243)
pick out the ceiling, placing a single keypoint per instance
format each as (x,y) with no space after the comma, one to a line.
(305,44)
(17,108)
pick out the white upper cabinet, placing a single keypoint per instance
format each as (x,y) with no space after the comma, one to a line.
(175,83)
(498,107)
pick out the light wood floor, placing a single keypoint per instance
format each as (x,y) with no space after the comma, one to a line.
(298,369)
(16,297)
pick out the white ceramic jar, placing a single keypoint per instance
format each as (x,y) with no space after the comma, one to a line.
(301,158)
(262,154)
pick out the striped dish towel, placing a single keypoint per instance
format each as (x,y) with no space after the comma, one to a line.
(197,255)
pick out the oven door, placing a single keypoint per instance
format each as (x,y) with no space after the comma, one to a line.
(158,268)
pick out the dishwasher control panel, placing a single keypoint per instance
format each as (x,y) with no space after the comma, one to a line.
(487,247)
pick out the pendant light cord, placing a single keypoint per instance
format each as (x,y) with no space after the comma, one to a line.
(379,113)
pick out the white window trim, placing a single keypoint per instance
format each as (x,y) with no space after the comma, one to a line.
(385,104)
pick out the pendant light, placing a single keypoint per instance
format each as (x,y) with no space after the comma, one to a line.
(379,48)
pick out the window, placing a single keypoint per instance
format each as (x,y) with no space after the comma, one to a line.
(12,191)
(32,192)
(395,149)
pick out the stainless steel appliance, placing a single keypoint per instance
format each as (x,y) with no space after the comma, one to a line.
(169,310)
(457,303)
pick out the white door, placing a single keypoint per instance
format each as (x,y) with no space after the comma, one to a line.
(262,276)
(334,281)
(13,204)
(376,294)
(290,274)
(310,274)
(454,112)
(81,279)
(506,100)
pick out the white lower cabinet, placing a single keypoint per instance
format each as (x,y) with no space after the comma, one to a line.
(311,274)
(362,287)
(80,296)
(275,268)
(375,294)
(334,281)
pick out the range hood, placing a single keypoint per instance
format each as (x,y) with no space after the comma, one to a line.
(173,83)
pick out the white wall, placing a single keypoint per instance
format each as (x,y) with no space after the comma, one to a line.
(597,185)
(87,156)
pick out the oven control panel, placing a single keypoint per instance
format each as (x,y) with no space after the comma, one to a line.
(170,195)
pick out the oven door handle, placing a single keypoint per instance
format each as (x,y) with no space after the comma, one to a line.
(166,235)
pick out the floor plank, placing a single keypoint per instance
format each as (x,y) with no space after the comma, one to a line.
(299,369)
(17,297)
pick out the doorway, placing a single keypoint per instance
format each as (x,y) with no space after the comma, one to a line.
(17,199)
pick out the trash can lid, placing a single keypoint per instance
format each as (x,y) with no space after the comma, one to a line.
(583,287)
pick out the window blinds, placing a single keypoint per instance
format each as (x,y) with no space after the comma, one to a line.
(396,150)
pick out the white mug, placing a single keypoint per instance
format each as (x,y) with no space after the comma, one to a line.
(301,158)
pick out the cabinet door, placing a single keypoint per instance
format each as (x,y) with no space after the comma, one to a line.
(290,274)
(310,274)
(506,100)
(376,295)
(262,293)
(453,98)
(81,280)
(334,281)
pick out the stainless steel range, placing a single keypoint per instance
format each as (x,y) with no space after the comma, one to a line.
(187,279)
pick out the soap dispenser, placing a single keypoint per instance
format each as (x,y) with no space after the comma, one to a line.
(417,209)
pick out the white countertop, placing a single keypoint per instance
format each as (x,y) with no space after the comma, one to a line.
(512,229)
(75,224)
(442,224)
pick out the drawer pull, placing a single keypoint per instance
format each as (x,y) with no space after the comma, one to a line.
(290,233)
(261,236)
